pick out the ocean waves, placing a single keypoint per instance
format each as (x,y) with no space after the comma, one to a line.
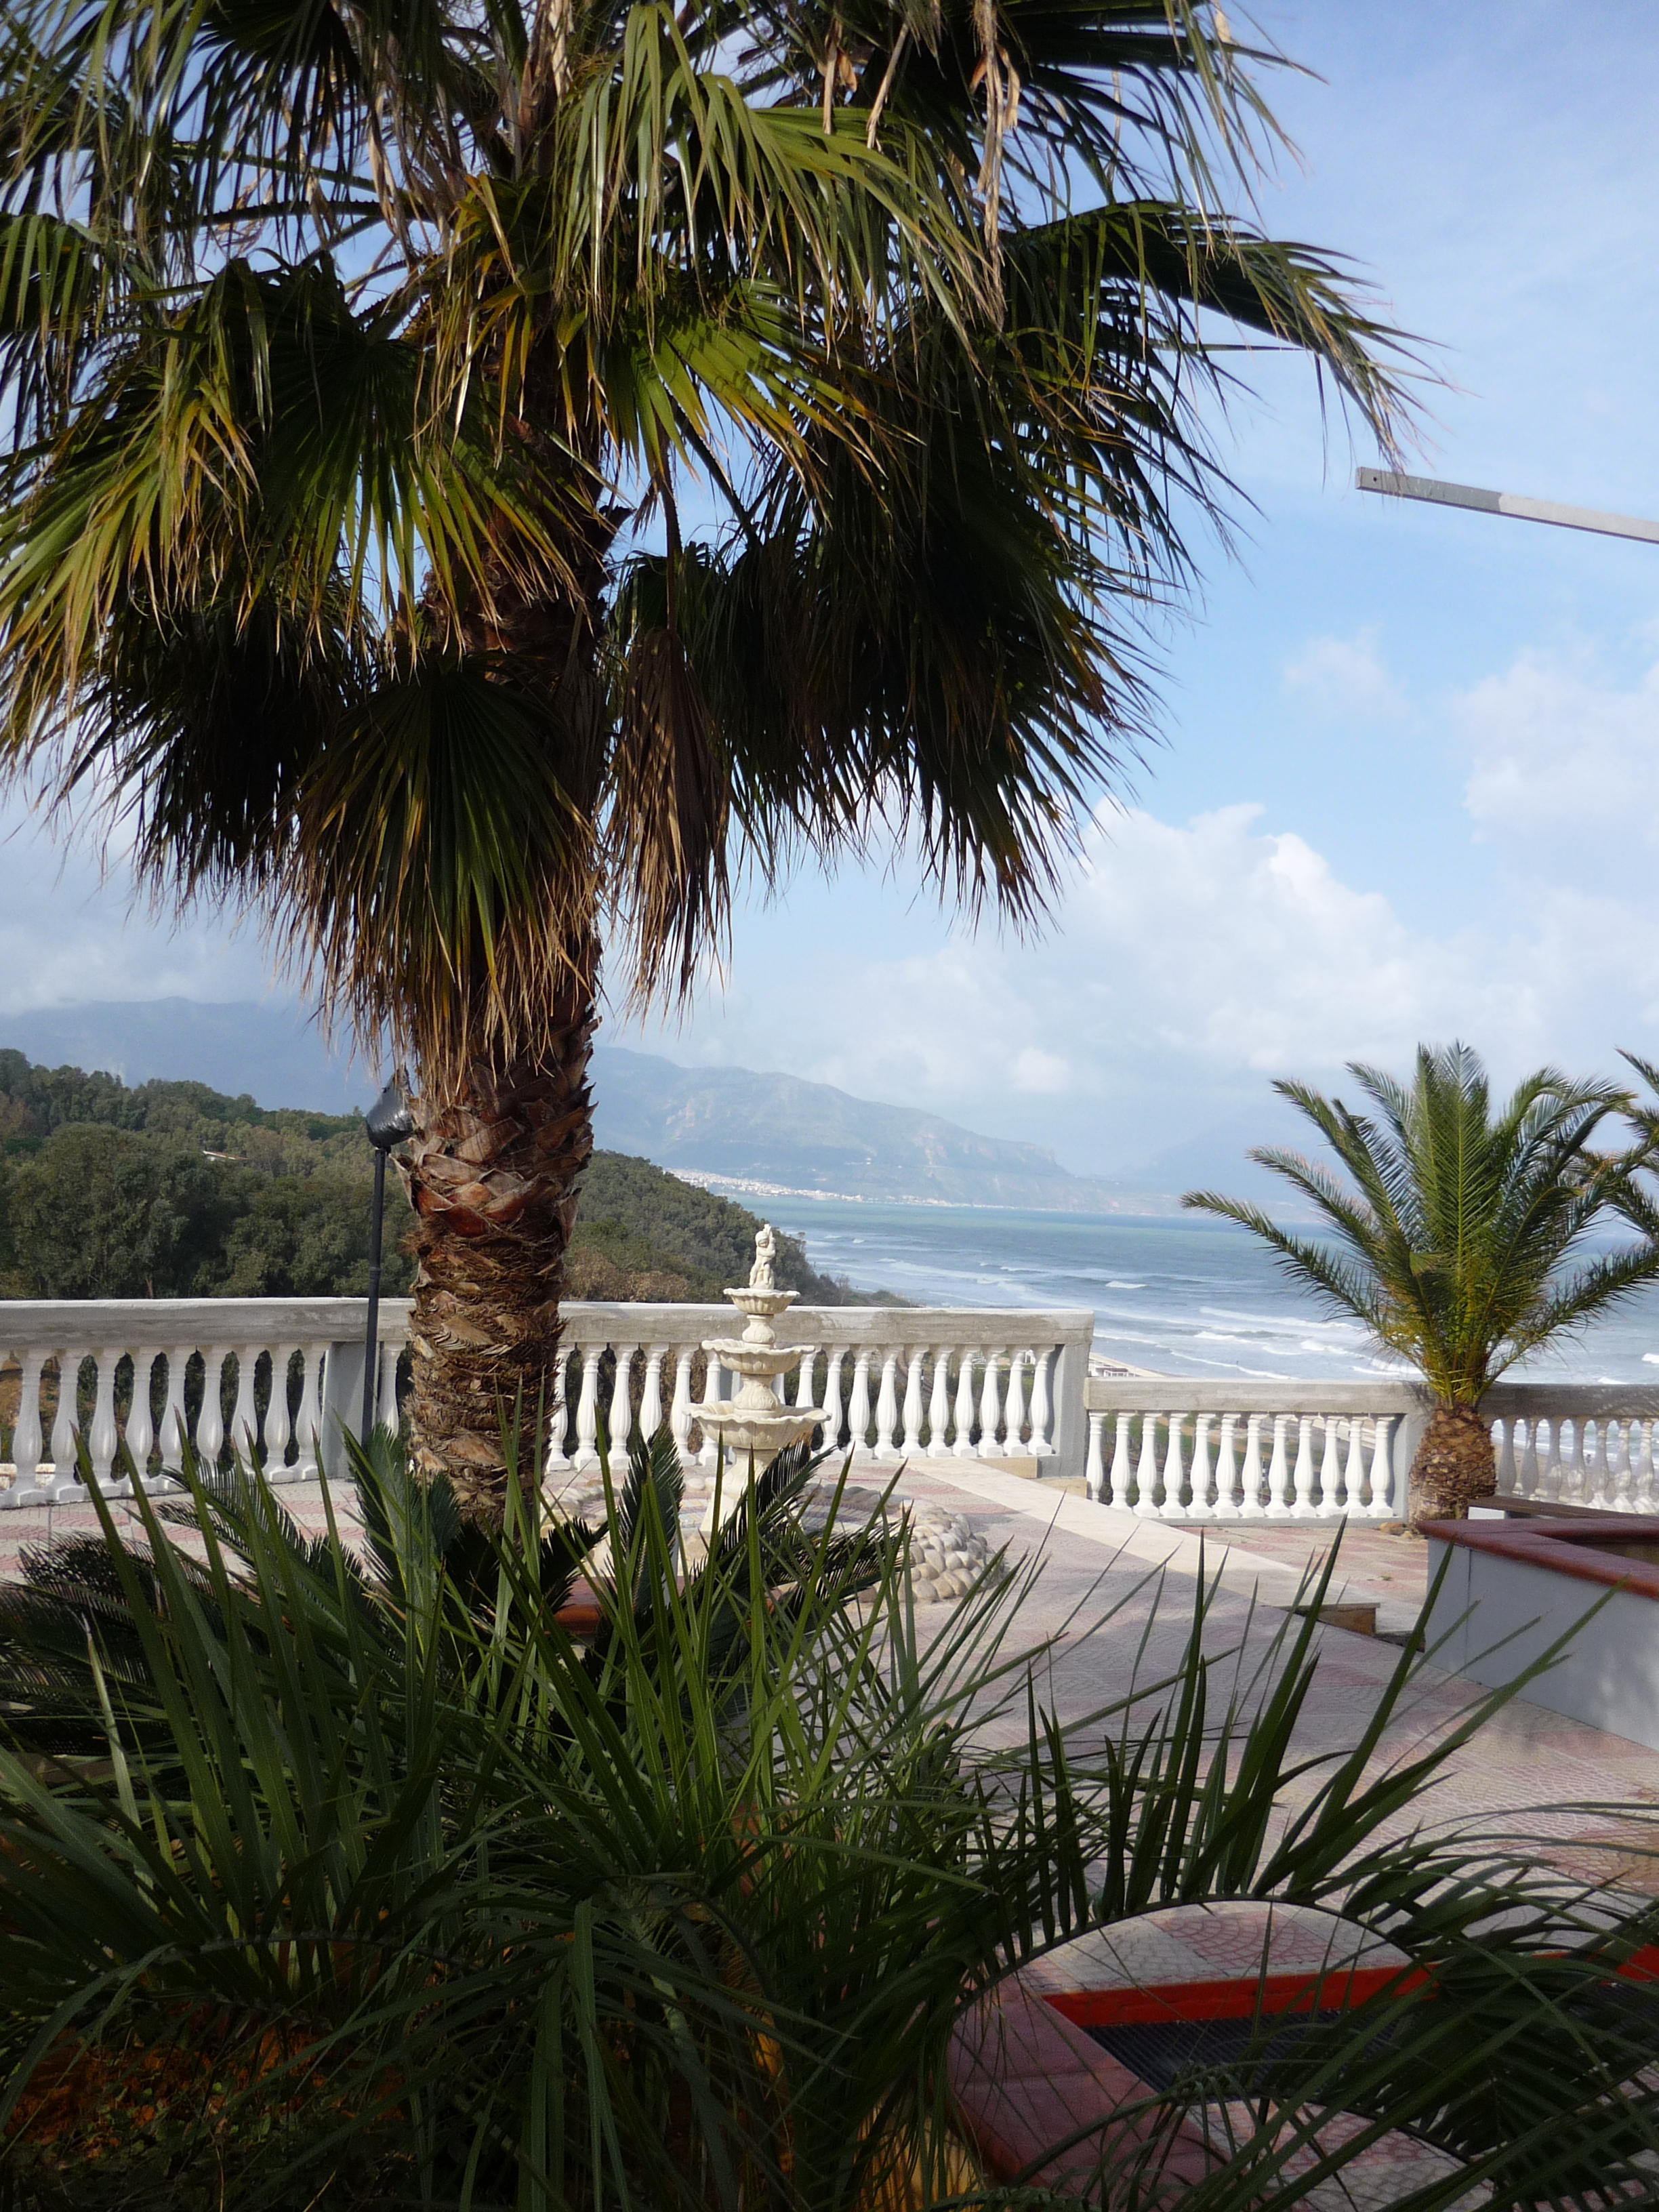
(1177,1296)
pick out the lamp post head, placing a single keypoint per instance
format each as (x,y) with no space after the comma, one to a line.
(390,1119)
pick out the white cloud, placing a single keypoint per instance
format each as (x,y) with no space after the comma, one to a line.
(1038,1074)
(1555,755)
(1343,679)
(69,932)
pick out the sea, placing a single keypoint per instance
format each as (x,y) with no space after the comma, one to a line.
(1176,1296)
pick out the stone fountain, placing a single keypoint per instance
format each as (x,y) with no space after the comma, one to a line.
(754,1423)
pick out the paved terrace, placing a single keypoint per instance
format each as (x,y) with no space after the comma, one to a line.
(1528,1762)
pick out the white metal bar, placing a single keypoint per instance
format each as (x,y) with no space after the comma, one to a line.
(1441,493)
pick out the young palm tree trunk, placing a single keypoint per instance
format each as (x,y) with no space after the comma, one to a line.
(491,1173)
(1454,1465)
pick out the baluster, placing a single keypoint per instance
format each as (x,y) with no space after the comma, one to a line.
(1525,1460)
(307,1420)
(619,1421)
(1608,1446)
(587,1409)
(651,1392)
(1353,1472)
(27,1439)
(1549,1463)
(558,1413)
(141,1428)
(803,1379)
(1146,1468)
(243,1421)
(913,1403)
(1250,1506)
(1094,1472)
(858,1411)
(1120,1465)
(1503,1454)
(1226,1470)
(1013,1410)
(939,1406)
(887,1408)
(679,1413)
(1175,1474)
(386,1400)
(279,1427)
(1382,1504)
(1572,1464)
(1279,1471)
(1623,1501)
(832,1423)
(210,1421)
(1201,1509)
(64,1420)
(1304,1509)
(1330,1474)
(990,1408)
(964,1444)
(175,1430)
(1642,1484)
(1042,1414)
(712,1395)
(102,1435)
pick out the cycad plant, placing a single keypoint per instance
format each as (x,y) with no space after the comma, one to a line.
(1453,1240)
(339,1878)
(482,474)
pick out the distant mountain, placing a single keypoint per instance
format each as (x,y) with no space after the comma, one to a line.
(1217,1159)
(270,1052)
(733,1128)
(767,1133)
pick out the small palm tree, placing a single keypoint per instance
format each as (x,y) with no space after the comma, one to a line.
(485,477)
(1451,1247)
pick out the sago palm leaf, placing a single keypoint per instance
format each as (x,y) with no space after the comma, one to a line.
(1454,1240)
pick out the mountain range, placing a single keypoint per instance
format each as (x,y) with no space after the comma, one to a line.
(732,1128)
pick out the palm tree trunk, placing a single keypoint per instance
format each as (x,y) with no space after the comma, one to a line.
(491,1174)
(1454,1465)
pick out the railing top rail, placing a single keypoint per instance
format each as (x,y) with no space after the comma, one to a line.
(53,1324)
(1180,1394)
(29,1323)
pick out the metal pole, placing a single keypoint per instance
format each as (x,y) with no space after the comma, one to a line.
(371,1331)
(1440,494)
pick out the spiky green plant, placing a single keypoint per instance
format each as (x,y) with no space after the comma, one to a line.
(482,472)
(1453,1242)
(383,1889)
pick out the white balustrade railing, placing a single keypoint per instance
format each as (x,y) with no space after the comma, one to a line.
(1169,1449)
(123,1378)
(895,1383)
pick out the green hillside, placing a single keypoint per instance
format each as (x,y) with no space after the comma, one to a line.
(173,1190)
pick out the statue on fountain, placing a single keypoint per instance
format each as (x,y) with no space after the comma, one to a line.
(766,1250)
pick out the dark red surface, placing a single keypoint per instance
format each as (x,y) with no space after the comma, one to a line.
(1577,1548)
(1129,2005)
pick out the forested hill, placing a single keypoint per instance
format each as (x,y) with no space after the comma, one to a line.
(173,1190)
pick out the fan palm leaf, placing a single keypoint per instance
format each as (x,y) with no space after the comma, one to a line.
(743,434)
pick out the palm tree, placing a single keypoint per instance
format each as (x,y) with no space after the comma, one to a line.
(486,475)
(1452,1242)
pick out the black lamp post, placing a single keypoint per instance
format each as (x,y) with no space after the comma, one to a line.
(388,1121)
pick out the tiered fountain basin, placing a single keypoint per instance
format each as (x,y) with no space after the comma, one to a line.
(753,1425)
(1523,1584)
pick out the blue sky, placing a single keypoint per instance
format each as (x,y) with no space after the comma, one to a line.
(1411,785)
